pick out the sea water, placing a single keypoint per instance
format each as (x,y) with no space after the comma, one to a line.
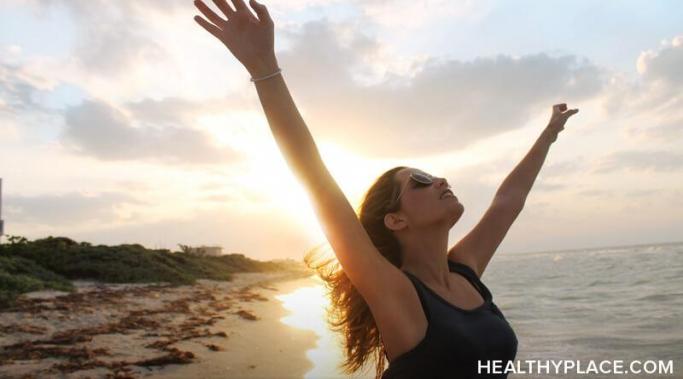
(615,303)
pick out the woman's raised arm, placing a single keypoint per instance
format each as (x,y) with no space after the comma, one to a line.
(477,247)
(251,40)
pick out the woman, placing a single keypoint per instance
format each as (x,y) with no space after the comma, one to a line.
(400,292)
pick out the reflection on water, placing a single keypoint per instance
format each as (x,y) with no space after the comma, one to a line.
(307,306)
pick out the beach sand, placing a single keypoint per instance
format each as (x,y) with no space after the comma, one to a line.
(210,330)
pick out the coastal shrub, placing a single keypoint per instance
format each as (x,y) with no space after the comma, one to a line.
(19,275)
(51,262)
(126,263)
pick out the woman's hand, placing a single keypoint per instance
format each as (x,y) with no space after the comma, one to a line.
(558,119)
(249,39)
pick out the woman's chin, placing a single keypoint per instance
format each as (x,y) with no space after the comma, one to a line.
(455,204)
(456,210)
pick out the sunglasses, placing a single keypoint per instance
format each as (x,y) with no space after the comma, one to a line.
(421,180)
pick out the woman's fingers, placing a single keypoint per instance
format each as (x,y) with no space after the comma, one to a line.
(561,115)
(211,15)
(211,28)
(239,5)
(261,12)
(559,108)
(224,7)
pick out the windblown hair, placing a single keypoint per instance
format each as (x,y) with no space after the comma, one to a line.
(349,314)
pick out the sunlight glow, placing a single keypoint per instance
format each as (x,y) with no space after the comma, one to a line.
(308,305)
(268,176)
(236,129)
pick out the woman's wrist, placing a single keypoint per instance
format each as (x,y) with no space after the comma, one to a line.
(550,134)
(263,68)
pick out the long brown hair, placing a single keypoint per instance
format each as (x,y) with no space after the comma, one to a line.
(349,314)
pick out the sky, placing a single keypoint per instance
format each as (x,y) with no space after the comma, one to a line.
(125,122)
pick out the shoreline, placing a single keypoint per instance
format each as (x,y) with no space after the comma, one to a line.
(210,329)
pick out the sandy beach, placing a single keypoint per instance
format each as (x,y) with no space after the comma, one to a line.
(210,330)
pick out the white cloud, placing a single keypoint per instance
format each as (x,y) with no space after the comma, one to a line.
(97,129)
(20,87)
(67,209)
(651,106)
(649,160)
(405,15)
(447,104)
(437,106)
(664,64)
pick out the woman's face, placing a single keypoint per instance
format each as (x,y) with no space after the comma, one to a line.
(424,205)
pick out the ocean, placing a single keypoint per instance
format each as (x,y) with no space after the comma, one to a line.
(614,303)
(611,303)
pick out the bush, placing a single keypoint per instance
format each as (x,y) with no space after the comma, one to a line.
(53,261)
(19,275)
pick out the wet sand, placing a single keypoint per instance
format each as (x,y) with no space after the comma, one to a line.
(210,330)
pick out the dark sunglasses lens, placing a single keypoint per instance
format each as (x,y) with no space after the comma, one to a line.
(422,178)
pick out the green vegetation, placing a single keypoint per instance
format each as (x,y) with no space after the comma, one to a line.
(52,262)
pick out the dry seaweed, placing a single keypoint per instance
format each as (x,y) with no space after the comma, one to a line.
(202,307)
(174,356)
(246,315)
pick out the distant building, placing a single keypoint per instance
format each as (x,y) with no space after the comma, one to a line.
(205,250)
(2,222)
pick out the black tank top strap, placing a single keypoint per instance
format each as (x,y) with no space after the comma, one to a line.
(423,301)
(471,276)
(420,293)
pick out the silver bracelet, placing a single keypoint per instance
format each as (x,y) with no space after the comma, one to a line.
(267,76)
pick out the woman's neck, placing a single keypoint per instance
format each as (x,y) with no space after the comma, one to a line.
(426,256)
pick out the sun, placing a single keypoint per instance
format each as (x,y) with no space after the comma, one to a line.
(272,175)
(268,177)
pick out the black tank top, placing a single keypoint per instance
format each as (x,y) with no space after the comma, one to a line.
(456,338)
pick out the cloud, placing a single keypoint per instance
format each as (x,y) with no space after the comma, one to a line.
(99,130)
(112,36)
(665,131)
(447,104)
(598,193)
(120,49)
(564,168)
(65,209)
(640,160)
(548,187)
(168,111)
(20,89)
(408,15)
(23,106)
(440,105)
(178,111)
(651,105)
(665,64)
